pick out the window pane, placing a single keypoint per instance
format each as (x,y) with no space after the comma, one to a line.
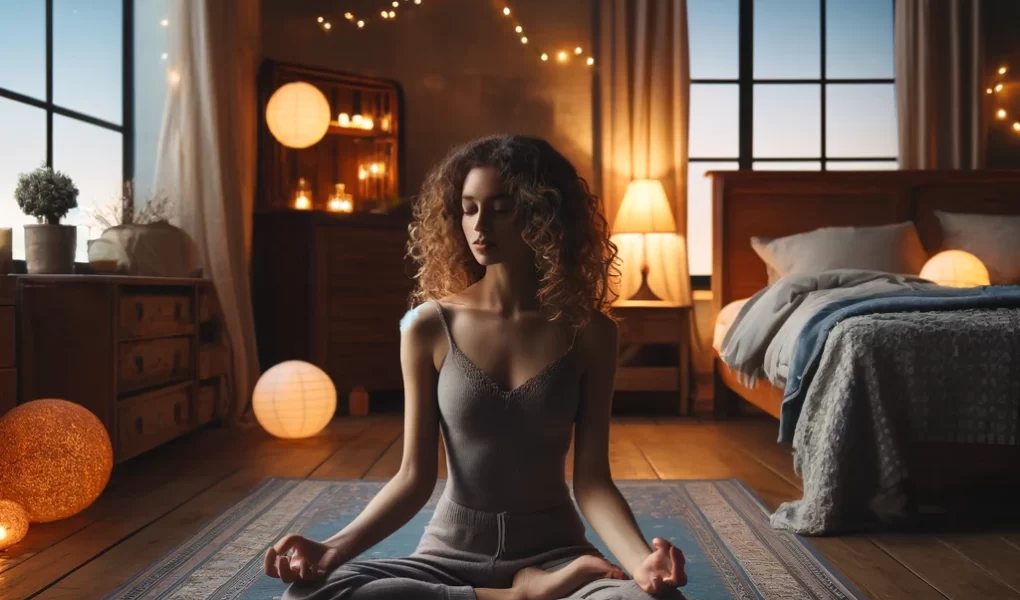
(87,62)
(713,27)
(787,121)
(151,64)
(715,121)
(859,39)
(860,121)
(92,157)
(22,149)
(862,165)
(787,36)
(787,166)
(699,214)
(23,47)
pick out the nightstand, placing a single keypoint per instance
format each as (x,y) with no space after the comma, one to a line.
(643,323)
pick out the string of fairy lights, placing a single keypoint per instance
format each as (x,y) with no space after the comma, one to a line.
(999,94)
(563,56)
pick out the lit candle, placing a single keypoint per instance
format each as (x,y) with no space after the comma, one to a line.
(302,202)
(344,120)
(385,123)
(367,123)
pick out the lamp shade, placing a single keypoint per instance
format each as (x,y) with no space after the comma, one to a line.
(294,399)
(55,458)
(13,523)
(645,209)
(955,268)
(298,115)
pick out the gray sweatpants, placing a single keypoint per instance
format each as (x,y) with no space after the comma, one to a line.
(463,549)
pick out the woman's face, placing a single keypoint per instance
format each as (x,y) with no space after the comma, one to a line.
(488,223)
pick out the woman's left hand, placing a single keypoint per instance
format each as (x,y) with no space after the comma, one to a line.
(663,570)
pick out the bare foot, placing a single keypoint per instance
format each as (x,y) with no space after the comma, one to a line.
(535,584)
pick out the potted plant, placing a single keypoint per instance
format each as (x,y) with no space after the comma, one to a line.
(48,195)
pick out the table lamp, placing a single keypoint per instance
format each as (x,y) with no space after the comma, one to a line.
(645,209)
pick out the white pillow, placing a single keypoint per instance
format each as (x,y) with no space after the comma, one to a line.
(995,239)
(892,248)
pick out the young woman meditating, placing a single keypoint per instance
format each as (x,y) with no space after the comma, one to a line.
(508,349)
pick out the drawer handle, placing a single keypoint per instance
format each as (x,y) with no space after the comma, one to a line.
(139,363)
(138,424)
(139,310)
(177,414)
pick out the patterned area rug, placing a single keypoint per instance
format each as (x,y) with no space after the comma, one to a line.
(722,528)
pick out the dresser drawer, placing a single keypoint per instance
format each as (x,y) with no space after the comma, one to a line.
(153,362)
(151,315)
(208,397)
(144,422)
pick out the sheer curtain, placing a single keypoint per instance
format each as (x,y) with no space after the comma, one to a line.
(643,106)
(207,159)
(938,84)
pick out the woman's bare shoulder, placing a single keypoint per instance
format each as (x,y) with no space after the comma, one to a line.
(600,329)
(421,324)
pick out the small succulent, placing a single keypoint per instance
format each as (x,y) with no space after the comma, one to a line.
(46,194)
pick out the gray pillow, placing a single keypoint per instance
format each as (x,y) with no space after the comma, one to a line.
(995,239)
(892,248)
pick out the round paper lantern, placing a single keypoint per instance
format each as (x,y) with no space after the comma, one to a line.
(294,399)
(13,523)
(955,268)
(55,458)
(298,115)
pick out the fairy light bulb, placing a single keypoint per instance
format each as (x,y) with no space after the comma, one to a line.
(988,91)
(998,87)
(392,14)
(320,19)
(349,16)
(506,10)
(417,1)
(361,24)
(590,61)
(562,56)
(519,29)
(1016,126)
(385,14)
(327,26)
(395,4)
(545,56)
(1001,113)
(1002,70)
(524,40)
(578,50)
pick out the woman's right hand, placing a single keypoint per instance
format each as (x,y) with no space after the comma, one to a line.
(297,558)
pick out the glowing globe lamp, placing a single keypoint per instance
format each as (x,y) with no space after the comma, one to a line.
(955,268)
(298,115)
(13,523)
(55,458)
(294,399)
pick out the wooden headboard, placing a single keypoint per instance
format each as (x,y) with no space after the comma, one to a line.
(775,204)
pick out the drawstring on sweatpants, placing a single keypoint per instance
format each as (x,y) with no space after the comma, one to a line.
(501,519)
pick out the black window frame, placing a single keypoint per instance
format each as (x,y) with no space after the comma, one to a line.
(126,128)
(746,82)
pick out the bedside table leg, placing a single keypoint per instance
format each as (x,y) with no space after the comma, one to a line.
(725,402)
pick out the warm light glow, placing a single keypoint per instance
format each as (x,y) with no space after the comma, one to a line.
(327,26)
(385,123)
(524,40)
(989,90)
(165,22)
(173,77)
(373,168)
(302,202)
(955,268)
(645,209)
(340,200)
(506,11)
(56,458)
(343,120)
(362,173)
(417,1)
(1016,126)
(519,29)
(321,19)
(349,16)
(1001,113)
(368,123)
(590,61)
(298,115)
(578,50)
(13,523)
(385,14)
(1002,70)
(361,24)
(395,4)
(562,56)
(294,399)
(545,56)
(392,14)
(998,87)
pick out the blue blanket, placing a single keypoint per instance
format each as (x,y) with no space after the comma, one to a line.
(813,336)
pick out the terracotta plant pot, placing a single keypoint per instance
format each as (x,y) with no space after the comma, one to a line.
(50,249)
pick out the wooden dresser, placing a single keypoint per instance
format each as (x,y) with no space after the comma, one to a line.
(331,290)
(145,355)
(649,324)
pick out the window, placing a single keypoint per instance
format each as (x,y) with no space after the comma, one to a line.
(68,100)
(786,85)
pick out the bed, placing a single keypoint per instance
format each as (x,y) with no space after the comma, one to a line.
(777,204)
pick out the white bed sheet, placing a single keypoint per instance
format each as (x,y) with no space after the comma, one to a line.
(724,320)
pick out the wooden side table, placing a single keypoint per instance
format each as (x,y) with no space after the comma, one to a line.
(642,323)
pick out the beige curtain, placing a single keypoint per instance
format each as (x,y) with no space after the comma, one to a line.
(643,89)
(938,84)
(207,159)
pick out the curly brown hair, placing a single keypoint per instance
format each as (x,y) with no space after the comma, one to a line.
(560,218)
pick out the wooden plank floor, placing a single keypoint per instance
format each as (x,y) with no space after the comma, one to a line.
(159,499)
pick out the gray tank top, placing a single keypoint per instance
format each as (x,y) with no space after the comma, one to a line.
(505,449)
